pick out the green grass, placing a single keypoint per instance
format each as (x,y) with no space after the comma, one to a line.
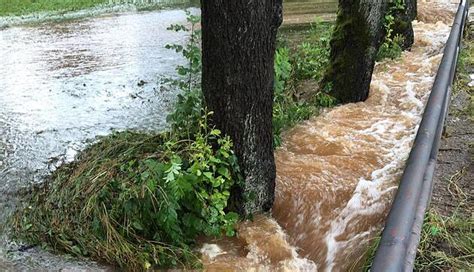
(21,7)
(135,200)
(447,243)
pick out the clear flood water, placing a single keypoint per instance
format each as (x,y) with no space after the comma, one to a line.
(64,83)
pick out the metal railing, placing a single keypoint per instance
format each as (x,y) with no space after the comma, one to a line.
(401,235)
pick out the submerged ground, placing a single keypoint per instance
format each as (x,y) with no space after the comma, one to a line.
(90,88)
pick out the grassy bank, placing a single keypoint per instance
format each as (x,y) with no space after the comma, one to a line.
(25,7)
(137,200)
(21,7)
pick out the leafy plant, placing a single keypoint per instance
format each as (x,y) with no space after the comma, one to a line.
(391,49)
(189,106)
(392,45)
(139,200)
(307,62)
(312,56)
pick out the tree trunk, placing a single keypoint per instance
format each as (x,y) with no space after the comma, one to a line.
(403,24)
(356,40)
(412,8)
(237,79)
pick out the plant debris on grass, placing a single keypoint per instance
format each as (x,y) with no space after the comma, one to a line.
(139,200)
(135,200)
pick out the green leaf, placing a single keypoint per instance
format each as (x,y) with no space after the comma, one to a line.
(208,175)
(137,225)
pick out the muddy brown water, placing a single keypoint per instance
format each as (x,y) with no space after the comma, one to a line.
(337,173)
(64,83)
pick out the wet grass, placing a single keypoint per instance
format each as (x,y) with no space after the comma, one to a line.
(446,243)
(21,7)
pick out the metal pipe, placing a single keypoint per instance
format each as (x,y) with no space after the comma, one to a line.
(428,183)
(392,254)
(427,190)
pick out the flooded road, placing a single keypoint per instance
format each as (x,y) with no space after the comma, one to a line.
(62,84)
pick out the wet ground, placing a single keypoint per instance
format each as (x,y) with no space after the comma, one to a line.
(454,176)
(62,84)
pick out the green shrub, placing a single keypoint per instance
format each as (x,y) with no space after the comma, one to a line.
(139,200)
(392,46)
(308,61)
(391,49)
(312,56)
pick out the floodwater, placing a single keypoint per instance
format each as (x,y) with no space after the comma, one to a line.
(64,83)
(337,173)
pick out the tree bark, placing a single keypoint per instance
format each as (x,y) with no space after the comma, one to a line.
(237,79)
(356,40)
(403,24)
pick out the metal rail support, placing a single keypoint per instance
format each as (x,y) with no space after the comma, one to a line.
(401,236)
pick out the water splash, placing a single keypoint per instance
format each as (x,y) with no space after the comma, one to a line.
(337,173)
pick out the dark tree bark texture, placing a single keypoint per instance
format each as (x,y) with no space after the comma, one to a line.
(237,79)
(356,40)
(403,23)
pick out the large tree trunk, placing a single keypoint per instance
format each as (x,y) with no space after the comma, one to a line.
(354,46)
(403,24)
(237,79)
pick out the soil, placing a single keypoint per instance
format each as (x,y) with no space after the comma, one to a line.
(454,176)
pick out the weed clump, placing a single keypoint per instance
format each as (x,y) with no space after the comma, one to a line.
(138,200)
(446,243)
(392,46)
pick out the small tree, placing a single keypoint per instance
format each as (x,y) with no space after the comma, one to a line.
(356,40)
(237,79)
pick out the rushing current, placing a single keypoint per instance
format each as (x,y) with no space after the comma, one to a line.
(337,173)
(61,84)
